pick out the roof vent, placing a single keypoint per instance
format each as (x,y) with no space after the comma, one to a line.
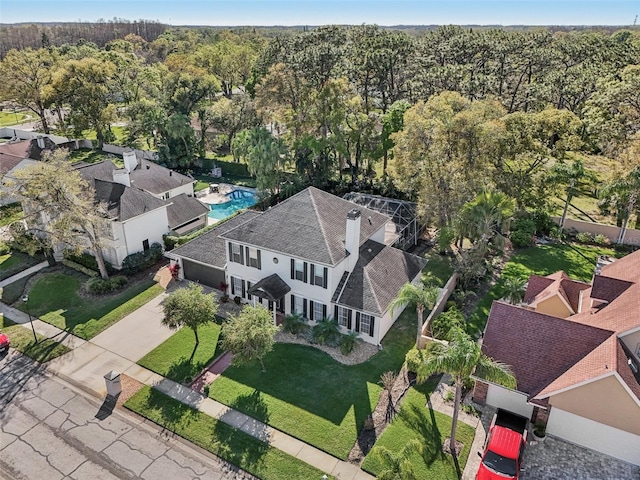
(148,167)
(170,172)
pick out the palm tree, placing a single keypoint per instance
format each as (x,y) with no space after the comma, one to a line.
(621,195)
(513,289)
(572,176)
(398,466)
(459,358)
(421,297)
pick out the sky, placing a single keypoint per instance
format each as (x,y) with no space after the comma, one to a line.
(313,12)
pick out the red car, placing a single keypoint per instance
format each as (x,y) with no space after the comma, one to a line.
(505,444)
(4,343)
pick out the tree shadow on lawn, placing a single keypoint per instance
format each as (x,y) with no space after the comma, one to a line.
(423,421)
(174,413)
(237,447)
(308,379)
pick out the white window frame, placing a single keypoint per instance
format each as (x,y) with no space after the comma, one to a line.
(318,311)
(298,305)
(298,267)
(318,273)
(253,257)
(237,286)
(368,318)
(343,317)
(236,253)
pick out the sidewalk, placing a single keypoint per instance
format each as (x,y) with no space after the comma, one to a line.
(24,273)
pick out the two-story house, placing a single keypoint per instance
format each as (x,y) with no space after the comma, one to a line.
(313,254)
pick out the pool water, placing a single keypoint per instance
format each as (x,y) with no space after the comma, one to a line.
(239,200)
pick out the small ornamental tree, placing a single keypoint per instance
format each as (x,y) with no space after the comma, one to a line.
(189,307)
(249,335)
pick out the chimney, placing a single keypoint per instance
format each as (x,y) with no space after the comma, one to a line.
(130,160)
(352,237)
(40,140)
(122,177)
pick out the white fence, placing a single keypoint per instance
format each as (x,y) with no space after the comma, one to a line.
(632,236)
(439,307)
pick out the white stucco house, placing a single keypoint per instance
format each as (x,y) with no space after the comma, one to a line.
(314,254)
(138,209)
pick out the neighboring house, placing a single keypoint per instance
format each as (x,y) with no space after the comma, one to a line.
(579,372)
(16,155)
(140,217)
(313,254)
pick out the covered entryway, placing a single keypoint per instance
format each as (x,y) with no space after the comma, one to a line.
(273,289)
(204,274)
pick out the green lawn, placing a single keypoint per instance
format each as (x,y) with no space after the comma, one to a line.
(540,260)
(55,298)
(308,395)
(88,155)
(438,270)
(416,420)
(11,118)
(232,172)
(176,359)
(10,213)
(230,444)
(15,262)
(22,340)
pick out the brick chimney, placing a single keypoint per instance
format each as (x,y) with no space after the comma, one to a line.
(352,237)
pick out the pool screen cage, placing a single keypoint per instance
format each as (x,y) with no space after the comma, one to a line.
(403,214)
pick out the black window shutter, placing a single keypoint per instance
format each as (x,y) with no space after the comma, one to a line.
(231,252)
(244,293)
(349,312)
(304,307)
(248,287)
(324,278)
(324,311)
(335,312)
(373,321)
(293,304)
(241,254)
(270,306)
(310,309)
(304,272)
(293,269)
(233,286)
(357,321)
(259,261)
(313,275)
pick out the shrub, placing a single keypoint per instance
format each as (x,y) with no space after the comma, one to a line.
(137,262)
(88,261)
(237,300)
(444,237)
(584,237)
(119,281)
(600,239)
(293,324)
(326,332)
(4,248)
(101,286)
(414,359)
(171,241)
(348,342)
(521,239)
(543,222)
(80,268)
(443,323)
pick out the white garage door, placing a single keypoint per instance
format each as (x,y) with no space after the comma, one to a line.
(594,435)
(509,400)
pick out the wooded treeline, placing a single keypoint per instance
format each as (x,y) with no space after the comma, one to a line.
(441,116)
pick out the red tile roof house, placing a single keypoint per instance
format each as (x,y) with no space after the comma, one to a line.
(578,368)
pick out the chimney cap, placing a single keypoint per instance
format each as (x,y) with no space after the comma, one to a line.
(353,214)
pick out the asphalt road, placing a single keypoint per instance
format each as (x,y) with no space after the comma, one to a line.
(50,430)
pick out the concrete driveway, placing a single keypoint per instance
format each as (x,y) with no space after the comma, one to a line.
(136,334)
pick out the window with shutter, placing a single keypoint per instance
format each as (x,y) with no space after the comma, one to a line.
(235,253)
(344,317)
(298,270)
(367,324)
(253,257)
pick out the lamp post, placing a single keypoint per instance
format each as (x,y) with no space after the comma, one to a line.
(25,299)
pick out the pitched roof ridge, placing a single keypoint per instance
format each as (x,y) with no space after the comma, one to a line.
(367,279)
(312,192)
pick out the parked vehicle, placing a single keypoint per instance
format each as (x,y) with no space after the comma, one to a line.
(5,343)
(504,447)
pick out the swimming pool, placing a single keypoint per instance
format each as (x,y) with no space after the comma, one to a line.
(238,200)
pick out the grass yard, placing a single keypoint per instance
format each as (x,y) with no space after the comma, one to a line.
(539,260)
(232,172)
(22,340)
(230,444)
(55,299)
(176,359)
(88,155)
(308,395)
(10,213)
(438,270)
(416,420)
(11,118)
(15,262)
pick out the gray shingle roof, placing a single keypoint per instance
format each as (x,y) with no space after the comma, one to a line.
(378,276)
(125,202)
(156,179)
(209,248)
(96,171)
(272,288)
(310,225)
(182,209)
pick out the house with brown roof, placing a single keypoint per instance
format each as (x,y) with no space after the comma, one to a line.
(579,372)
(313,254)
